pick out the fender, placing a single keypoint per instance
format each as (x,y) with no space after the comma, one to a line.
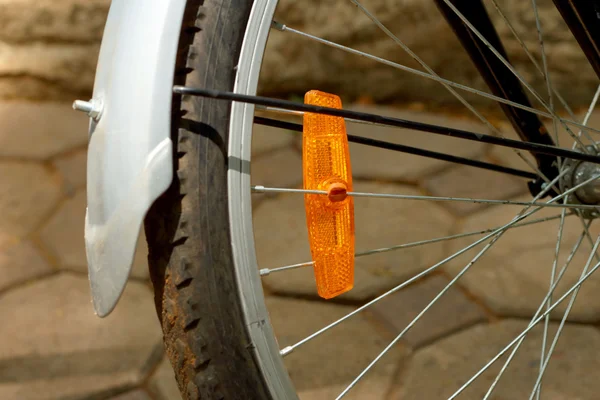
(130,154)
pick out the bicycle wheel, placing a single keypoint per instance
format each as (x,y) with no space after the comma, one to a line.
(202,259)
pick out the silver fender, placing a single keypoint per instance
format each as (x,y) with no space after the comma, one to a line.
(130,151)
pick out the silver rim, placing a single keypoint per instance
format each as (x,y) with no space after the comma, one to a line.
(240,205)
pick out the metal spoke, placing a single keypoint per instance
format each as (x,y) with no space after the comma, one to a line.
(588,235)
(588,114)
(418,317)
(448,87)
(525,332)
(537,313)
(584,233)
(495,234)
(396,122)
(405,149)
(531,57)
(546,74)
(301,114)
(563,321)
(496,237)
(285,28)
(268,271)
(420,275)
(424,65)
(552,279)
(263,189)
(513,70)
(516,220)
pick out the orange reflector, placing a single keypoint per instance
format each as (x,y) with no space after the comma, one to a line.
(330,219)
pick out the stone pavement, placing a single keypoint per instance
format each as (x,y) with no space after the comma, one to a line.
(53,347)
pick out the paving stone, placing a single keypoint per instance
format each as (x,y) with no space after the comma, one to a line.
(266,138)
(163,384)
(332,360)
(371,389)
(282,239)
(437,371)
(452,312)
(513,276)
(72,167)
(21,262)
(134,395)
(53,128)
(55,347)
(282,168)
(64,236)
(470,182)
(28,193)
(371,162)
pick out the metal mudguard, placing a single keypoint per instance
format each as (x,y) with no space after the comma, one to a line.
(130,150)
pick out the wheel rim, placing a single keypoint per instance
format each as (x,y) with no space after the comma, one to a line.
(240,205)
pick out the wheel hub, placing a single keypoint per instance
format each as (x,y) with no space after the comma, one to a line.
(579,172)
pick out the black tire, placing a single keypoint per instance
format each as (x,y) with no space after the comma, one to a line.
(187,229)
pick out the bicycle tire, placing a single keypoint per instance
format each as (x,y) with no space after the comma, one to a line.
(189,245)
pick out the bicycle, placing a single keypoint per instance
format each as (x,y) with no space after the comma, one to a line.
(170,137)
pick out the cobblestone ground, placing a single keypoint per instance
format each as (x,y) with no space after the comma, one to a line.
(53,347)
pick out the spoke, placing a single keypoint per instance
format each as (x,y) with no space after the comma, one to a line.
(585,121)
(420,275)
(585,233)
(267,271)
(418,317)
(591,107)
(546,73)
(287,112)
(537,313)
(447,86)
(285,28)
(512,69)
(588,235)
(587,116)
(563,321)
(291,348)
(405,149)
(550,292)
(423,64)
(531,57)
(263,189)
(559,161)
(552,279)
(390,121)
(526,331)
(496,237)
(301,114)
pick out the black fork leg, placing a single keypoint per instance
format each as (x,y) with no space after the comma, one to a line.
(583,18)
(501,81)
